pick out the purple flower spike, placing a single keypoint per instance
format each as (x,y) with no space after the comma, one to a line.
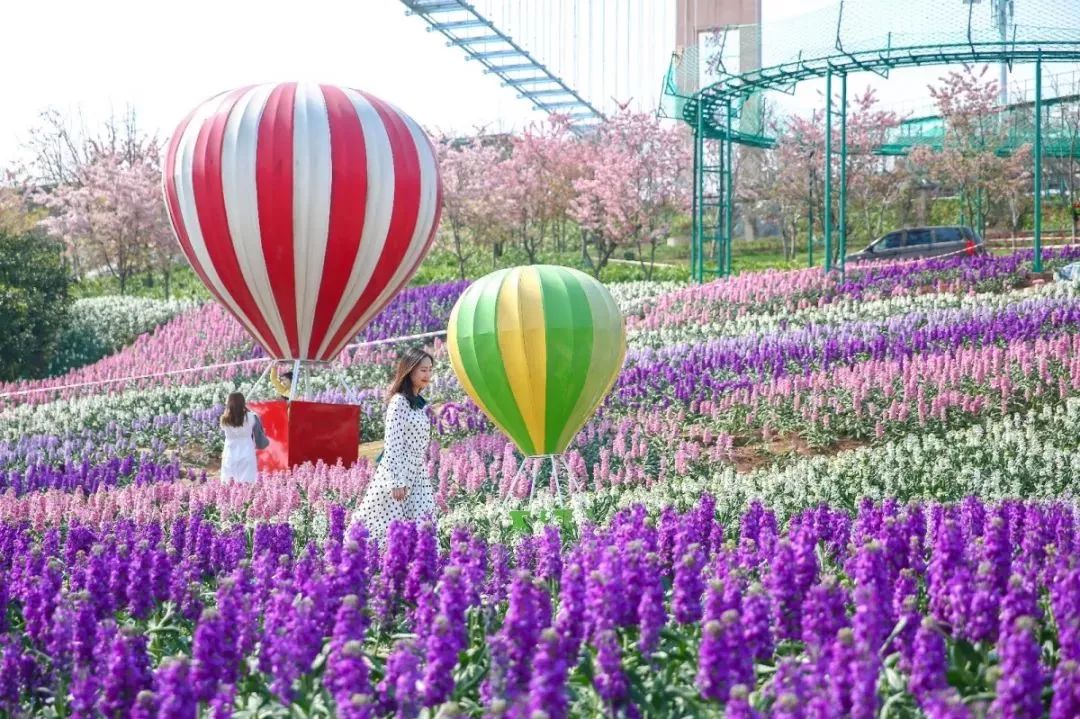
(349,682)
(548,683)
(723,658)
(127,674)
(174,686)
(651,614)
(209,647)
(1066,701)
(738,705)
(1019,691)
(399,690)
(442,655)
(929,663)
(689,585)
(610,681)
(145,706)
(10,676)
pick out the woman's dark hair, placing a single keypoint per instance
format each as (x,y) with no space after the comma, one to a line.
(235,409)
(407,362)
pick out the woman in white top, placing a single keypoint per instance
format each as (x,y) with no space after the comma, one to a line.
(238,459)
(401,489)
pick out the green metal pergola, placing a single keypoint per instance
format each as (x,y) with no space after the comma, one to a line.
(717,112)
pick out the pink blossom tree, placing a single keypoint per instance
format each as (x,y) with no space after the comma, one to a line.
(874,182)
(475,215)
(968,162)
(787,186)
(112,213)
(636,181)
(539,183)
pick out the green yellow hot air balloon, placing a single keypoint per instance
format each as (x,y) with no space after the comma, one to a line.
(537,348)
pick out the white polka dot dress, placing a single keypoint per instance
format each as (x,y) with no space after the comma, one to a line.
(403,464)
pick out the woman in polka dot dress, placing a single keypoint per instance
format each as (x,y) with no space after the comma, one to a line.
(401,489)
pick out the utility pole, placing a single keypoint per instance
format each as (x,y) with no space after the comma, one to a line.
(1004,12)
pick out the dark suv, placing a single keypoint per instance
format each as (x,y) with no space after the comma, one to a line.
(915,242)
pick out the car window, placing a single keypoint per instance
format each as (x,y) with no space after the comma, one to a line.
(948,234)
(891,241)
(918,237)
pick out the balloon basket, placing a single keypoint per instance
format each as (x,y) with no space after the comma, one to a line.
(524,522)
(302,432)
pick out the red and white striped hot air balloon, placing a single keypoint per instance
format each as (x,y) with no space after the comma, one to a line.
(304,208)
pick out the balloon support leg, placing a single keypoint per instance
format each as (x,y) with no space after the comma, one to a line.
(251,387)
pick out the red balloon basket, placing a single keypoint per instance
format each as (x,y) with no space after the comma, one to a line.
(307,432)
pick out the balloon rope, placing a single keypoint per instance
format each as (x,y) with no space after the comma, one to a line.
(220,365)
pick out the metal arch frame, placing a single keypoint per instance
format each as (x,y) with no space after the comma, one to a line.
(709,113)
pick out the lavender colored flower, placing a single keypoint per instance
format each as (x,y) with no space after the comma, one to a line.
(349,682)
(139,590)
(399,690)
(789,691)
(84,695)
(494,690)
(422,568)
(783,586)
(497,584)
(335,534)
(723,658)
(1066,701)
(521,629)
(547,686)
(929,664)
(209,646)
(1021,600)
(610,679)
(689,585)
(400,543)
(1019,691)
(824,614)
(570,621)
(221,706)
(650,610)
(757,621)
(441,658)
(872,597)
(145,706)
(127,673)
(352,572)
(174,688)
(669,527)
(549,562)
(843,662)
(738,705)
(10,675)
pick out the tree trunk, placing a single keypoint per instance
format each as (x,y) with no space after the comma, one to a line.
(167,275)
(586,260)
(459,251)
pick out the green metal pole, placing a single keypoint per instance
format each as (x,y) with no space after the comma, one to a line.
(843,171)
(810,227)
(729,200)
(828,171)
(696,243)
(717,246)
(1038,263)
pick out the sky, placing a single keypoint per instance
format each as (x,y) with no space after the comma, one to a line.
(99,56)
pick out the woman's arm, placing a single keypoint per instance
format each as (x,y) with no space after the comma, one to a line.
(397,422)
